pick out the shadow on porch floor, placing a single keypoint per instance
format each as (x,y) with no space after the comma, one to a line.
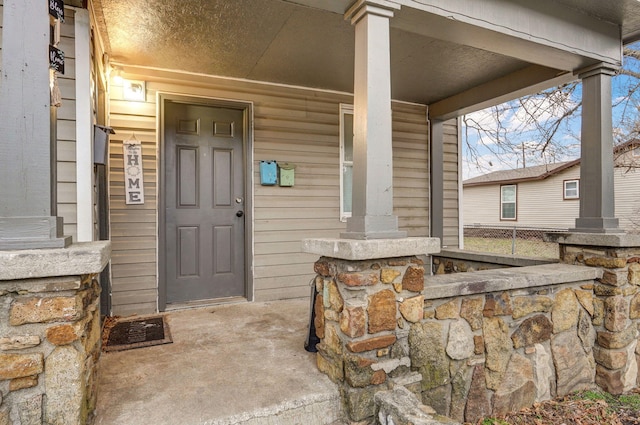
(228,364)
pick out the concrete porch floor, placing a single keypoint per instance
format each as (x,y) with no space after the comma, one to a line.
(228,364)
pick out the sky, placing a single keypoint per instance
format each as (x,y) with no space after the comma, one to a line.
(524,122)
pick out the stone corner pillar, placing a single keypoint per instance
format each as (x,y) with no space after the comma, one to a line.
(617,301)
(372,152)
(50,335)
(597,201)
(369,292)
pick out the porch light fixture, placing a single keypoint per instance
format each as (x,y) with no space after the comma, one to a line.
(133,90)
(117,75)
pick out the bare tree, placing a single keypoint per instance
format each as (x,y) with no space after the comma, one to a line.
(544,128)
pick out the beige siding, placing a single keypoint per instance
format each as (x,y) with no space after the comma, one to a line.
(627,182)
(290,125)
(481,205)
(410,168)
(539,203)
(66,149)
(451,216)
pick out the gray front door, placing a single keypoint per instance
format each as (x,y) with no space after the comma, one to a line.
(204,202)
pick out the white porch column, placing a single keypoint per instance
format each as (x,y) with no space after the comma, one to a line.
(597,202)
(372,216)
(27,121)
(84,128)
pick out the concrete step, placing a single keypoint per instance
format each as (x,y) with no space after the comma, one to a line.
(320,409)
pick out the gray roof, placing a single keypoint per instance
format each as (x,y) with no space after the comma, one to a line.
(537,172)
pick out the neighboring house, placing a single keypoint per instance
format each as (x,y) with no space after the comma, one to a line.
(213,87)
(547,196)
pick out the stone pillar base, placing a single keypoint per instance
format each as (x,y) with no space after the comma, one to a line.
(367,249)
(373,227)
(50,333)
(362,327)
(597,225)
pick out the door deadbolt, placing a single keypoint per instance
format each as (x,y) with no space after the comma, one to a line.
(239,213)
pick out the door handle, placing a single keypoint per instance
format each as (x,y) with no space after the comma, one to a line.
(239,213)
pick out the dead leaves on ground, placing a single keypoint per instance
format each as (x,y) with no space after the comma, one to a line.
(570,410)
(108,323)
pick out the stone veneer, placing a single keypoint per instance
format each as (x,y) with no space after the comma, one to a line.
(618,255)
(50,334)
(476,344)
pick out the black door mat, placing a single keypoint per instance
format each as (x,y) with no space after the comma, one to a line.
(136,333)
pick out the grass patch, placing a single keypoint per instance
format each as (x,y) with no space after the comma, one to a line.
(614,402)
(493,421)
(523,247)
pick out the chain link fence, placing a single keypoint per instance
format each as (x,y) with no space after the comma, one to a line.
(510,240)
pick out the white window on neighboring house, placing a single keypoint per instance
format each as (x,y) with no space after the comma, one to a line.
(346,160)
(571,189)
(508,197)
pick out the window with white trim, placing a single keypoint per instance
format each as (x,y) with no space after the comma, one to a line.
(346,160)
(508,198)
(571,189)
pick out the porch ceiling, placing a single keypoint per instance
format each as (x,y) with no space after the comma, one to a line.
(306,43)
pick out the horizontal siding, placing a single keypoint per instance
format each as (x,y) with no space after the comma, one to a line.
(627,182)
(410,134)
(538,198)
(290,125)
(481,205)
(451,216)
(66,130)
(133,232)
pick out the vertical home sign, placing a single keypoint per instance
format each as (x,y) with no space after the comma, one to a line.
(133,181)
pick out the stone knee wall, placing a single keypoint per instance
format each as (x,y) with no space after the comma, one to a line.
(50,341)
(486,345)
(618,295)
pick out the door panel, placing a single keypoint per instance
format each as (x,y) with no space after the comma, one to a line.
(204,195)
(189,250)
(223,174)
(222,240)
(188,173)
